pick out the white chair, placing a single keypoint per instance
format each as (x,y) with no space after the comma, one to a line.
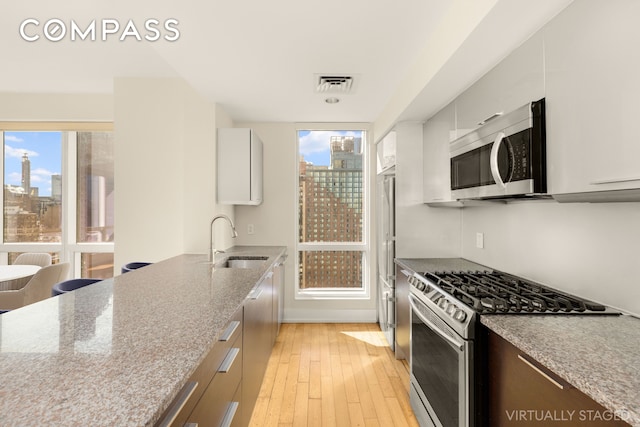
(41,259)
(37,289)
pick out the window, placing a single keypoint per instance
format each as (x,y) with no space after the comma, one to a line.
(58,194)
(332,249)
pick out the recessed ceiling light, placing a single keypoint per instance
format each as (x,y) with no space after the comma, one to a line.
(332,100)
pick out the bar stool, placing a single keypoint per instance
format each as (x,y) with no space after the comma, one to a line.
(71,285)
(133,266)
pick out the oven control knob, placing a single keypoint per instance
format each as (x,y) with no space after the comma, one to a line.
(443,303)
(459,315)
(451,309)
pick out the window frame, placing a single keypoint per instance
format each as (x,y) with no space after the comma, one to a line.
(364,292)
(69,248)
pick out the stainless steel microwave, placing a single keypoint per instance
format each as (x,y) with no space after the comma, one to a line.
(503,158)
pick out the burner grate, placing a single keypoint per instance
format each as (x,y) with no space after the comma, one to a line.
(497,292)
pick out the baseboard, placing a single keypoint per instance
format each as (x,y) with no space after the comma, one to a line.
(330,316)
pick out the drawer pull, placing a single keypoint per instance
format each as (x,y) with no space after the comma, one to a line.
(545,373)
(231,329)
(230,414)
(257,294)
(615,180)
(228,361)
(179,402)
(493,116)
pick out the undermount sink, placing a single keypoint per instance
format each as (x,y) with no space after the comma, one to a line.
(242,262)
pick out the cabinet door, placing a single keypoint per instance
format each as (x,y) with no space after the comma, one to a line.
(386,150)
(522,391)
(438,132)
(278,296)
(403,314)
(257,335)
(239,167)
(515,81)
(592,97)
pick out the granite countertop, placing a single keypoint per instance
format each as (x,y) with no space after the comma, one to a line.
(118,352)
(597,354)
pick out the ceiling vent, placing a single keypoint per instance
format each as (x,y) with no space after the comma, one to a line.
(334,84)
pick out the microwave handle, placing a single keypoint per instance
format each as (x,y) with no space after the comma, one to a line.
(493,160)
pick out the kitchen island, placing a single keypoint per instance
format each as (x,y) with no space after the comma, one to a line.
(118,352)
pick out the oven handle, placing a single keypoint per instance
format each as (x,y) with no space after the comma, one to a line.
(413,301)
(493,160)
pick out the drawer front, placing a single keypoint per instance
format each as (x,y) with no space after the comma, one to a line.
(218,405)
(193,391)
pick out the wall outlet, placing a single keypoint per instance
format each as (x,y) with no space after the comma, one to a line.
(480,240)
(250,229)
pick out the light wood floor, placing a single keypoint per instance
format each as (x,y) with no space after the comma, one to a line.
(333,375)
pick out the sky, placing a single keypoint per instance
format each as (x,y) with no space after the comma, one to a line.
(45,153)
(314,144)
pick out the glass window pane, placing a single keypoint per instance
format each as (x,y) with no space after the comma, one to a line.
(95,187)
(55,257)
(33,186)
(330,269)
(329,161)
(97,265)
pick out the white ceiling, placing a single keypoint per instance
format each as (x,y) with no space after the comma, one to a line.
(255,58)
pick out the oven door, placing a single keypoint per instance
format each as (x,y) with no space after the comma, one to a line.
(441,371)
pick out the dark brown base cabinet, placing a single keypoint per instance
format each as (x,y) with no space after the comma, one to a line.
(211,396)
(258,335)
(523,392)
(224,389)
(403,314)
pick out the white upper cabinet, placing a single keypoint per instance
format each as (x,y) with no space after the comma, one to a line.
(593,88)
(438,132)
(515,81)
(239,167)
(386,150)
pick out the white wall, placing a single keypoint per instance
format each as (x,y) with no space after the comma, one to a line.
(275,224)
(421,231)
(588,249)
(164,169)
(29,107)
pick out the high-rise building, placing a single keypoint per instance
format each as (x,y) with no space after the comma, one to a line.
(56,187)
(26,174)
(331,207)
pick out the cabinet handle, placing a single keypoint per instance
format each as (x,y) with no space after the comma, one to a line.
(544,372)
(614,181)
(491,117)
(281,260)
(228,361)
(231,329)
(230,414)
(257,294)
(179,402)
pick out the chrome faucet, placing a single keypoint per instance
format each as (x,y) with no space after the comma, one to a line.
(234,234)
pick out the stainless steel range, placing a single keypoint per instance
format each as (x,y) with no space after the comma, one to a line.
(447,350)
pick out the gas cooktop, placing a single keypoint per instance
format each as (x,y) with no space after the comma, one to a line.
(501,293)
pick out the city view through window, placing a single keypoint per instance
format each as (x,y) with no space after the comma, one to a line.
(36,194)
(330,209)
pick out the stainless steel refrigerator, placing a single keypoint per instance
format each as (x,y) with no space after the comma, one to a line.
(386,254)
